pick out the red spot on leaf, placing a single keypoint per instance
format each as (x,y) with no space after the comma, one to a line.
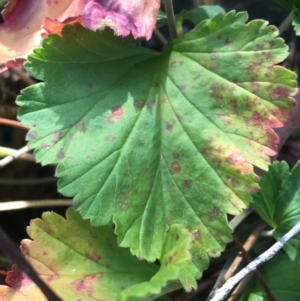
(57,136)
(227,42)
(280,92)
(234,103)
(171,190)
(169,127)
(234,182)
(85,285)
(272,43)
(173,64)
(116,114)
(176,155)
(94,255)
(151,104)
(236,158)
(81,127)
(282,114)
(49,230)
(44,145)
(252,68)
(51,278)
(273,122)
(138,103)
(31,135)
(110,138)
(187,183)
(175,167)
(213,213)
(214,56)
(255,86)
(60,154)
(256,118)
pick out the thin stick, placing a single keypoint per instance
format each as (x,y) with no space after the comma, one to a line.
(15,205)
(223,292)
(171,19)
(237,261)
(286,22)
(23,76)
(13,123)
(10,158)
(239,288)
(256,272)
(6,151)
(25,182)
(8,247)
(160,36)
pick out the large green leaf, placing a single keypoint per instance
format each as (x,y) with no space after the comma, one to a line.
(278,202)
(154,139)
(281,275)
(81,262)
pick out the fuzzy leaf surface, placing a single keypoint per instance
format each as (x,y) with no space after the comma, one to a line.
(278,203)
(282,278)
(154,139)
(89,265)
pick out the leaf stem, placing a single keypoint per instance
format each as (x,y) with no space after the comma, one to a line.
(286,22)
(171,19)
(267,255)
(160,36)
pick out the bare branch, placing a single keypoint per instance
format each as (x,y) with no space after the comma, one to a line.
(223,292)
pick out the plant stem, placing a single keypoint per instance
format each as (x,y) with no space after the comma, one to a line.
(10,158)
(256,272)
(13,123)
(160,36)
(286,22)
(15,255)
(267,255)
(171,18)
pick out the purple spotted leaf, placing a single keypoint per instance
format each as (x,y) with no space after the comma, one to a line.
(151,139)
(89,265)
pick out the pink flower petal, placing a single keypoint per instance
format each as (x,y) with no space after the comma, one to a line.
(22,29)
(136,16)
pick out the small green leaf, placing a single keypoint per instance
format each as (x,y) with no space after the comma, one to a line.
(281,275)
(161,16)
(200,13)
(155,139)
(82,262)
(175,254)
(195,15)
(278,203)
(296,22)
